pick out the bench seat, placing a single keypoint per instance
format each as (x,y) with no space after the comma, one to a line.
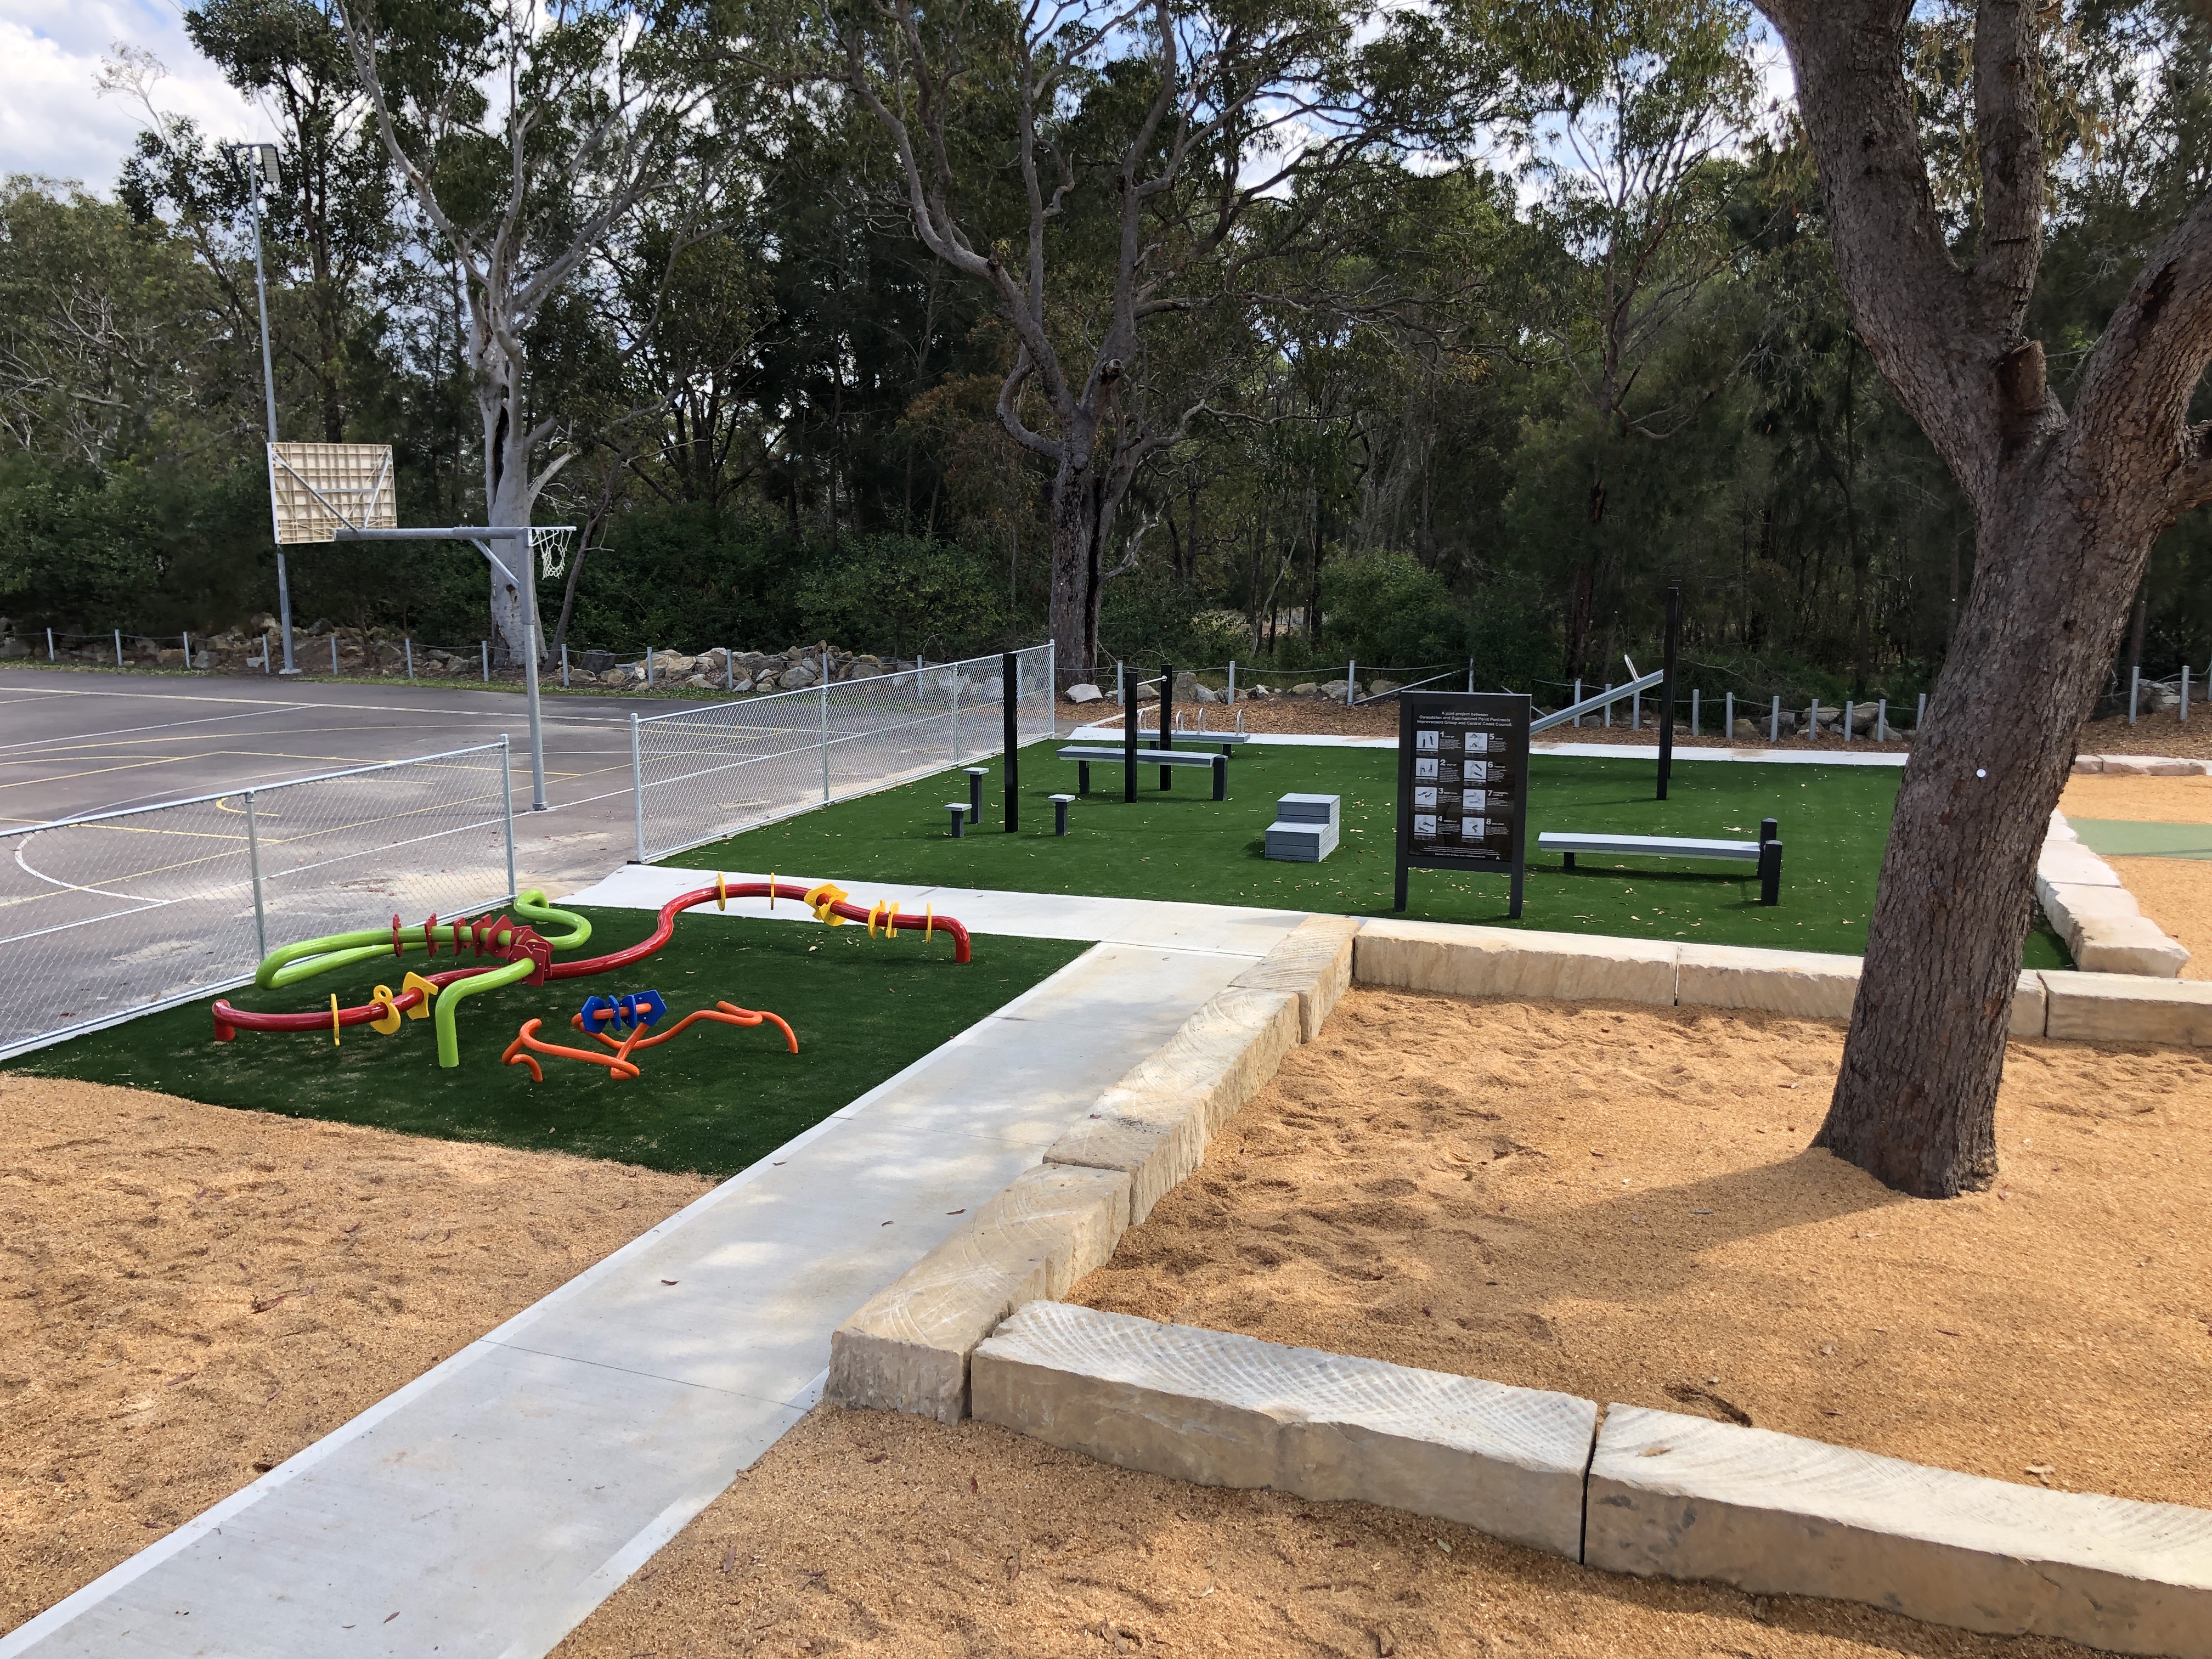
(1085,755)
(1765,851)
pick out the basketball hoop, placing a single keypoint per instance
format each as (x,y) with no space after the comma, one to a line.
(551,542)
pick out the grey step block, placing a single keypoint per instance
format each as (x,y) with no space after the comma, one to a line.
(1310,809)
(1306,843)
(1223,1410)
(1681,1497)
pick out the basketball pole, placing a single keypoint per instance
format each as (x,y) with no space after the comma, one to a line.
(518,537)
(253,170)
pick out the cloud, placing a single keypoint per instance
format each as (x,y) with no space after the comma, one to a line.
(52,118)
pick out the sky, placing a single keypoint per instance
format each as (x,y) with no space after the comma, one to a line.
(53,119)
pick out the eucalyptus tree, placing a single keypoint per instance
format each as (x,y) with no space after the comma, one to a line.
(2068,501)
(1110,170)
(529,134)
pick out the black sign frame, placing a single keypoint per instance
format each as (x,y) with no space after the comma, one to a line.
(1495,714)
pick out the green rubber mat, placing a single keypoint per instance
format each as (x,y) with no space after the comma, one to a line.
(2121,838)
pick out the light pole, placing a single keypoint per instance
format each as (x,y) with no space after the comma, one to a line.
(257,165)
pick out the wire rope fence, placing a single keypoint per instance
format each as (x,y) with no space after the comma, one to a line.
(698,775)
(113,914)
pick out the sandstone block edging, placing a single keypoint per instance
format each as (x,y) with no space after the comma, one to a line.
(1223,1410)
(2087,1007)
(1314,960)
(1679,1497)
(1456,960)
(907,1347)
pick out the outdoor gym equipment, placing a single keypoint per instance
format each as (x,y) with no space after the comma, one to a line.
(521,953)
(638,1014)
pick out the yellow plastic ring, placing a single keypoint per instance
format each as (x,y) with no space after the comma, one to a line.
(334,1020)
(721,892)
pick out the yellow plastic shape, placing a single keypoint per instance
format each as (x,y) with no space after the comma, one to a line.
(928,923)
(771,890)
(334,1020)
(822,898)
(416,982)
(721,892)
(388,1021)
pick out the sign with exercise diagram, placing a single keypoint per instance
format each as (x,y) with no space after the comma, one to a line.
(1463,784)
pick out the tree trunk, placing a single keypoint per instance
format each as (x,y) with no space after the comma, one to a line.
(507,502)
(1076,521)
(1915,1104)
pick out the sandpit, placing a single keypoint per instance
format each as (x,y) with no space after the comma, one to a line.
(866,1532)
(190,1294)
(1620,1202)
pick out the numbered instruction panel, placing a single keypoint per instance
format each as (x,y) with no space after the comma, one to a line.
(1462,785)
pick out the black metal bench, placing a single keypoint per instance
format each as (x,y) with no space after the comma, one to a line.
(1085,755)
(1765,851)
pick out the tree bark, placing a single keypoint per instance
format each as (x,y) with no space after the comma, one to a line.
(1078,513)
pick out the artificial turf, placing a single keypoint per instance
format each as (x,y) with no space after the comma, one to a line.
(712,1100)
(1181,844)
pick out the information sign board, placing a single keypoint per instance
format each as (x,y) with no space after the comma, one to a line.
(1463,784)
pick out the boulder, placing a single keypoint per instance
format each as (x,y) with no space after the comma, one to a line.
(594,662)
(1084,693)
(615,676)
(1747,731)
(865,668)
(672,664)
(1334,690)
(171,658)
(743,683)
(798,675)
(1382,688)
(1307,689)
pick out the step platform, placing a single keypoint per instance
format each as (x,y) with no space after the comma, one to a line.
(1305,828)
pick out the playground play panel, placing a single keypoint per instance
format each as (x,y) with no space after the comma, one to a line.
(862,1004)
(1182,845)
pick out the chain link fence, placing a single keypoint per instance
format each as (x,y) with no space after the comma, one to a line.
(701,773)
(118,914)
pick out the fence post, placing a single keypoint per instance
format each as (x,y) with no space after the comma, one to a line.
(1577,698)
(1608,707)
(1351,681)
(648,667)
(1233,681)
(119,647)
(1636,711)
(1727,715)
(1882,719)
(507,801)
(1120,678)
(1848,710)
(1774,723)
(1920,715)
(265,651)
(825,729)
(2135,682)
(254,858)
(1470,676)
(2184,690)
(955,672)
(729,668)
(637,785)
(1693,713)
(408,641)
(564,665)
(50,645)
(483,650)
(334,655)
(2185,673)
(1813,723)
(1052,686)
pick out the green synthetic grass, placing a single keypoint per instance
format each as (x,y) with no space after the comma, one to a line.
(712,1101)
(1184,845)
(2124,838)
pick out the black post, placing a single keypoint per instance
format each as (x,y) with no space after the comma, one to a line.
(1769,861)
(1010,683)
(1167,718)
(1129,743)
(1666,687)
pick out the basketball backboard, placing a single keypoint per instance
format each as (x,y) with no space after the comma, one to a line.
(315,489)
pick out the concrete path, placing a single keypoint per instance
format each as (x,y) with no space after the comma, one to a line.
(487,1508)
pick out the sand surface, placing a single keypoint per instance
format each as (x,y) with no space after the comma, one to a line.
(1619,1202)
(865,1533)
(2138,800)
(2177,895)
(190,1294)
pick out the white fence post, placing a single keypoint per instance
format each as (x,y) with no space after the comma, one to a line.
(826,728)
(1693,713)
(1728,717)
(564,665)
(1608,707)
(637,785)
(265,651)
(253,859)
(1848,708)
(648,667)
(1052,685)
(1882,720)
(1636,711)
(1812,722)
(1920,715)
(955,672)
(1774,723)
(409,643)
(2185,673)
(1577,698)
(1351,681)
(1120,682)
(50,645)
(2134,683)
(2185,685)
(334,655)
(1233,681)
(483,650)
